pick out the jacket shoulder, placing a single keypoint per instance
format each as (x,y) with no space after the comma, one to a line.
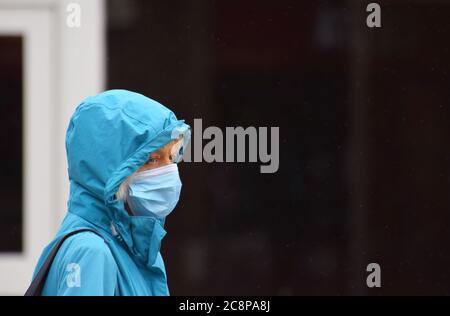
(86,242)
(84,265)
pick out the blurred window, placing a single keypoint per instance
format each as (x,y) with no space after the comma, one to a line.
(11,124)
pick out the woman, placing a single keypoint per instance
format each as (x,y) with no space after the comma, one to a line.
(122,149)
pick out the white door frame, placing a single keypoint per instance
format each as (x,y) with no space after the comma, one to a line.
(62,65)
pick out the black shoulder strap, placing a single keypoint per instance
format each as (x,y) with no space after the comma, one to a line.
(38,282)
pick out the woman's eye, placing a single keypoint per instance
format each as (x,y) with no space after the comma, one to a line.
(152,160)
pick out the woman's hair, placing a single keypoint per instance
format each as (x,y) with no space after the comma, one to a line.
(121,193)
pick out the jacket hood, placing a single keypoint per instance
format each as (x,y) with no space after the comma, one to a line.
(110,135)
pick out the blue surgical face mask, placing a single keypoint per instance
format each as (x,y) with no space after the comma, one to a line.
(155,191)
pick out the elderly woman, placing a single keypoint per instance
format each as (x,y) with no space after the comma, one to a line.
(122,149)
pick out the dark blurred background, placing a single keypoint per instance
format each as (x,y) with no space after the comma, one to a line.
(11,113)
(364,132)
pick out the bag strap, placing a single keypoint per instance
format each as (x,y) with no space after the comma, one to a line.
(38,282)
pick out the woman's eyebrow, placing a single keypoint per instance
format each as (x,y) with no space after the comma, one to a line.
(155,155)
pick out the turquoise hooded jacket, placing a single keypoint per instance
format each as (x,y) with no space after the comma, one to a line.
(109,137)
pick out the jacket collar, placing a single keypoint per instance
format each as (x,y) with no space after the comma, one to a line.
(141,235)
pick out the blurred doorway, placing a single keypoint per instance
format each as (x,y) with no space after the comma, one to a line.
(43,75)
(28,208)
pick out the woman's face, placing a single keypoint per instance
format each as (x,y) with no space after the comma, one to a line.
(161,157)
